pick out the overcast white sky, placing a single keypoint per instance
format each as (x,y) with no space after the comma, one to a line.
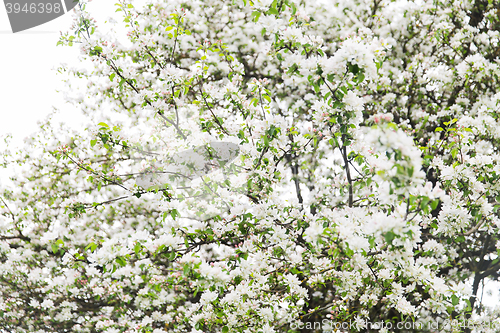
(28,81)
(27,85)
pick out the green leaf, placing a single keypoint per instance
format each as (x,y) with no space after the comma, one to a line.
(256,15)
(121,261)
(137,248)
(361,77)
(389,237)
(434,204)
(174,213)
(92,246)
(272,11)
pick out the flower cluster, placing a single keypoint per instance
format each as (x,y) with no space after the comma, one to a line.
(364,186)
